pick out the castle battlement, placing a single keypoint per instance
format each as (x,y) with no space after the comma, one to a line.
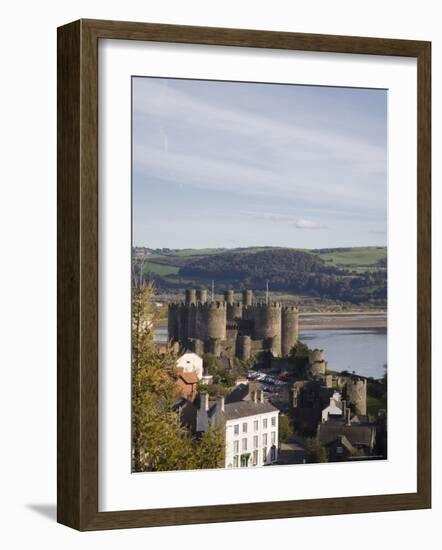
(237,327)
(263,305)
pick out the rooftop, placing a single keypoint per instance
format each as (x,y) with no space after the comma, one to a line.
(356,434)
(241,409)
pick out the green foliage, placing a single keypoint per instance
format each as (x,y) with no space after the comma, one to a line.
(210,451)
(299,350)
(376,396)
(239,266)
(315,452)
(363,256)
(220,375)
(299,355)
(159,442)
(349,275)
(285,428)
(214,390)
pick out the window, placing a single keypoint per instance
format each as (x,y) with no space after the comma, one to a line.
(264,455)
(256,425)
(235,461)
(244,444)
(255,458)
(244,428)
(245,460)
(264,439)
(236,429)
(273,436)
(264,423)
(273,420)
(273,453)
(255,441)
(236,446)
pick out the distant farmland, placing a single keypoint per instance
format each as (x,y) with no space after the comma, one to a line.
(356,276)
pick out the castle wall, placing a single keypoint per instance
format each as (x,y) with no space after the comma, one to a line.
(190,296)
(201,322)
(244,347)
(289,329)
(236,310)
(191,320)
(318,365)
(201,295)
(214,346)
(247,297)
(230,347)
(216,320)
(229,296)
(357,394)
(267,319)
(232,328)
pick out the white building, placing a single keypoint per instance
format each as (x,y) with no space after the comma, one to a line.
(250,429)
(334,408)
(191,362)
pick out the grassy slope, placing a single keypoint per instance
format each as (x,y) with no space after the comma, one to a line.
(169,264)
(357,257)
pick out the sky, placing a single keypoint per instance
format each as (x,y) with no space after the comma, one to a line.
(234,164)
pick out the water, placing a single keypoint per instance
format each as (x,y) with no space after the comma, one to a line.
(361,350)
(161,335)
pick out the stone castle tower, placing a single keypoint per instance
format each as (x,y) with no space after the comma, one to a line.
(232,328)
(356,389)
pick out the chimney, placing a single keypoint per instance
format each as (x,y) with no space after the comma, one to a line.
(260,396)
(254,396)
(204,401)
(220,404)
(348,417)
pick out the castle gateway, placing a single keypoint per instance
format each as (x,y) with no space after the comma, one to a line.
(229,328)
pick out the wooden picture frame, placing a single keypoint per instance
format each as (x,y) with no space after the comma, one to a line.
(78,274)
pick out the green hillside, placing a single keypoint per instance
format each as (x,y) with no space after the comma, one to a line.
(345,275)
(352,257)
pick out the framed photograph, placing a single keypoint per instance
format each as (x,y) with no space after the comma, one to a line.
(243,275)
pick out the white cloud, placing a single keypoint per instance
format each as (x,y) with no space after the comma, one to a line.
(156,99)
(292,168)
(307,224)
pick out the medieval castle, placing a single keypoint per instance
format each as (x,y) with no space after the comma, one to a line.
(232,329)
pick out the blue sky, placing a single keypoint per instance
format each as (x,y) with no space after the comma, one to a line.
(230,164)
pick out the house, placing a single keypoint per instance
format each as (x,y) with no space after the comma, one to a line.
(346,437)
(191,362)
(291,452)
(187,383)
(341,449)
(250,428)
(334,408)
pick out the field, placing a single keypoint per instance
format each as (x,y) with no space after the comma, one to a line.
(353,257)
(337,279)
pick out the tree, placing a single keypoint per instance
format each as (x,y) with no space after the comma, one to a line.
(220,375)
(299,354)
(315,452)
(159,441)
(285,428)
(214,390)
(299,350)
(210,451)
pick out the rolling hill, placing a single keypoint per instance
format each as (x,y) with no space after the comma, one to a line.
(347,275)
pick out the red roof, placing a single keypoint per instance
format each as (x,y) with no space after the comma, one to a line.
(189,377)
